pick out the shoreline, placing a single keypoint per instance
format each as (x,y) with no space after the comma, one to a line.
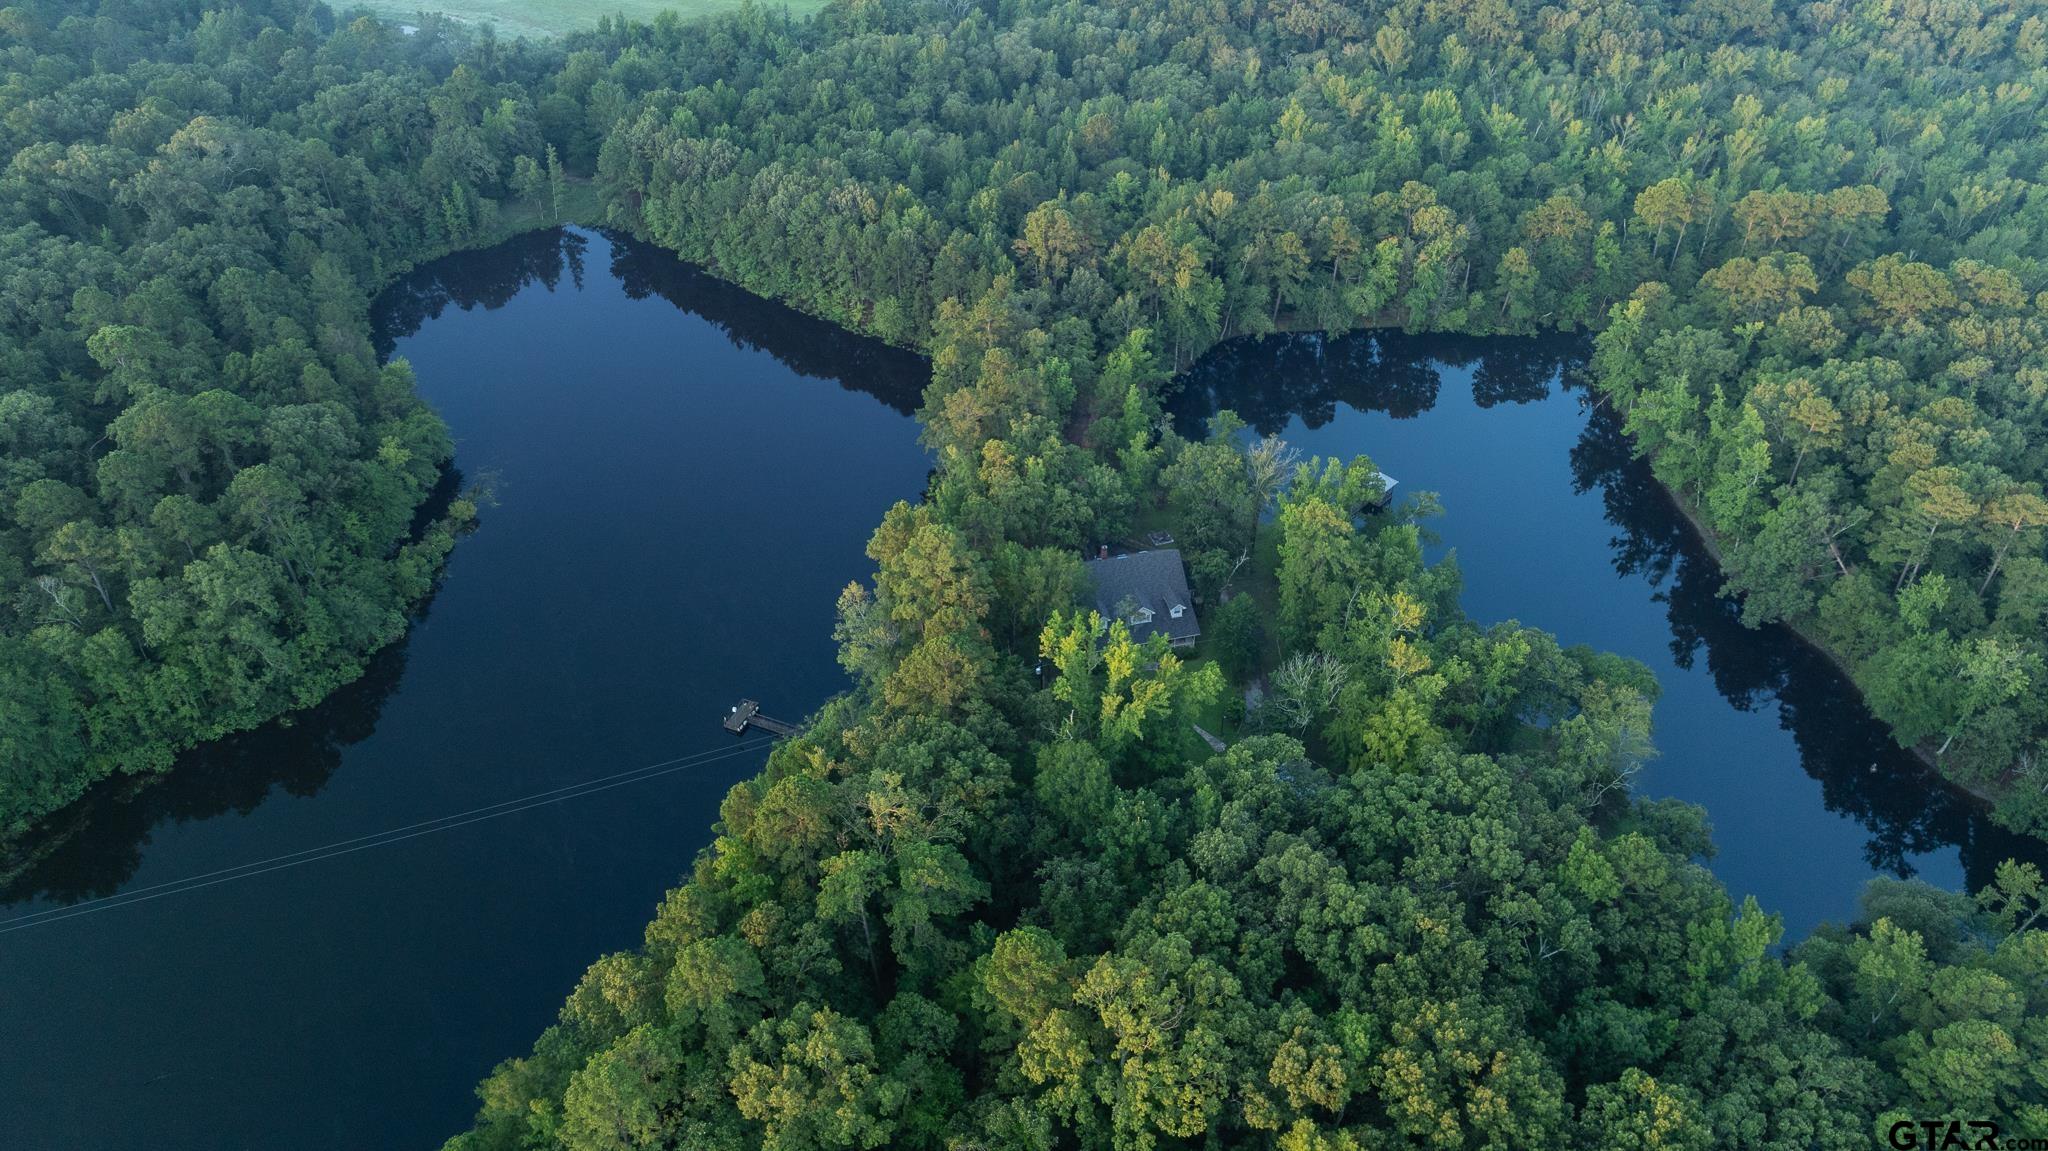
(22,848)
(1287,324)
(1705,537)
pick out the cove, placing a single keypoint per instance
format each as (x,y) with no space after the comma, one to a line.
(1556,525)
(685,477)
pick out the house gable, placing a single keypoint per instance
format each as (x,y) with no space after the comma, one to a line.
(1148,590)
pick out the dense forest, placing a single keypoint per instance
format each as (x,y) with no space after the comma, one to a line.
(1809,236)
(1000,895)
(1414,904)
(209,483)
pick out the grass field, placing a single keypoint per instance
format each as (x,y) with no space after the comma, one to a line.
(580,205)
(554,17)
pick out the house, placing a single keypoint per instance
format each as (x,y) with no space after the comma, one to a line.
(1148,590)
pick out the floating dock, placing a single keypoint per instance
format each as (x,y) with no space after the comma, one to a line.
(747,713)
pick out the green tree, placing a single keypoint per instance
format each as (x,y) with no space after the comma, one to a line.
(558,184)
(810,1080)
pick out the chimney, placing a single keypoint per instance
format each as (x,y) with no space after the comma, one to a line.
(1105,551)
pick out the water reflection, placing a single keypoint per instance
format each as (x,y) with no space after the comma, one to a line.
(806,345)
(94,847)
(1270,382)
(1863,773)
(487,279)
(1902,809)
(563,645)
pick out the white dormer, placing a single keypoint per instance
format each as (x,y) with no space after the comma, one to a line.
(1142,615)
(1178,611)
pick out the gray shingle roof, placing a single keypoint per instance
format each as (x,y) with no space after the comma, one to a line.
(1154,580)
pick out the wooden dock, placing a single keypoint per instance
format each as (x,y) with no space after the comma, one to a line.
(748,714)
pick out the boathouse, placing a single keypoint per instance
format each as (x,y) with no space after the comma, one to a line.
(1386,496)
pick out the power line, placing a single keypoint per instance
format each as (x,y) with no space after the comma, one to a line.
(378,839)
(698,756)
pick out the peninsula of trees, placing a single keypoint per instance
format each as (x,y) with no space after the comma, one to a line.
(1414,903)
(1809,237)
(210,490)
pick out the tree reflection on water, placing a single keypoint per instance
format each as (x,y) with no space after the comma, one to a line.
(1903,807)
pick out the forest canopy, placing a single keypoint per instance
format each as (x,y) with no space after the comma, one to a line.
(1413,901)
(1810,238)
(210,489)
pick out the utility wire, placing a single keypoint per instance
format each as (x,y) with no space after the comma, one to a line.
(702,755)
(378,839)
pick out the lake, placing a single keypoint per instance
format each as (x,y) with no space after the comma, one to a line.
(684,476)
(1554,524)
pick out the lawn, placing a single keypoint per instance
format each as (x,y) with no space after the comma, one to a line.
(580,205)
(554,17)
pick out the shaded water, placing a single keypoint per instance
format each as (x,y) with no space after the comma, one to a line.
(687,475)
(1554,524)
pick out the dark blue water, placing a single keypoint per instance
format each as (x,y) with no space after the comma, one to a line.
(1555,525)
(686,476)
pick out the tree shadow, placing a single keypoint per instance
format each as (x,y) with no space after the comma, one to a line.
(804,344)
(1269,381)
(488,278)
(1906,807)
(92,848)
(808,346)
